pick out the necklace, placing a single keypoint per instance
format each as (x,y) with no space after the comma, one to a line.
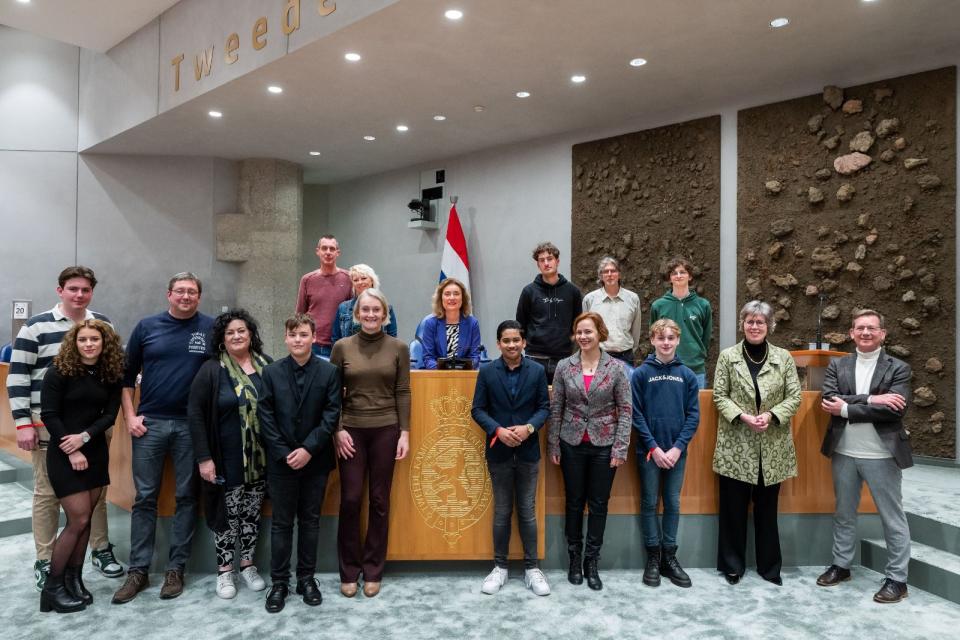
(589,369)
(761,361)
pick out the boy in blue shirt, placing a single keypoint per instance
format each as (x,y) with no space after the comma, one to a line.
(666,412)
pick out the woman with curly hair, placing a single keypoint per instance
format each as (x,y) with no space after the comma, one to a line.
(79,402)
(222,414)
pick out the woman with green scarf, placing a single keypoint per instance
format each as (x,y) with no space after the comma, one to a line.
(226,441)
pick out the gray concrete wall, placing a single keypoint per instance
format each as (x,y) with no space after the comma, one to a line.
(316,222)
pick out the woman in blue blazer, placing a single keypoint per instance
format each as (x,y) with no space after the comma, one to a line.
(452,331)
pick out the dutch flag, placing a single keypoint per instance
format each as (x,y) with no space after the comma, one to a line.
(454,262)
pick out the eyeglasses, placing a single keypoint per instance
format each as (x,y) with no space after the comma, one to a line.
(679,273)
(185,292)
(867,329)
(755,323)
(609,271)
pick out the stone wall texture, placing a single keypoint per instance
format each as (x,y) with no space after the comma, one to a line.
(643,198)
(851,194)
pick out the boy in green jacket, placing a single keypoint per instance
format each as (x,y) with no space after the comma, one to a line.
(693,313)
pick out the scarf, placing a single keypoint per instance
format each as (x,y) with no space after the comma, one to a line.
(254,459)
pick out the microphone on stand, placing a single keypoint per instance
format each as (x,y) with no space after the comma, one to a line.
(822,298)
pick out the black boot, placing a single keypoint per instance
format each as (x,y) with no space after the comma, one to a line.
(73,581)
(55,597)
(651,574)
(591,574)
(575,574)
(670,568)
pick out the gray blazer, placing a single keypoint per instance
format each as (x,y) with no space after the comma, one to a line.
(890,376)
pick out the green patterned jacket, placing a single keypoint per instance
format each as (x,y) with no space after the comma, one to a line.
(739,450)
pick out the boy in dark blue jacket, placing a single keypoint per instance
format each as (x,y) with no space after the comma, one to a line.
(666,412)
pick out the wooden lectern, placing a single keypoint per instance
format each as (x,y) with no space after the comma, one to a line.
(812,364)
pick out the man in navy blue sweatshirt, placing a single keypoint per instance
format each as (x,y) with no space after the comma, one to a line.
(168,349)
(666,412)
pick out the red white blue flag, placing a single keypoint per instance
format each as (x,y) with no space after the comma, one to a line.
(454,263)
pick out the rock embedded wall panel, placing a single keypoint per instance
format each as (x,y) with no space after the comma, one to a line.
(852,194)
(643,198)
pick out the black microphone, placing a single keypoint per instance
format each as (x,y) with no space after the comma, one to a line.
(822,298)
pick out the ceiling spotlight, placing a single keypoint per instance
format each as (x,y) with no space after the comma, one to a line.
(24,1)
(523,94)
(578,79)
(479,108)
(638,62)
(215,114)
(314,153)
(275,89)
(402,127)
(439,118)
(352,57)
(453,14)
(776,23)
(369,138)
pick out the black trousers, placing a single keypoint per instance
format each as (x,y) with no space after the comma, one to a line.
(295,497)
(735,498)
(549,364)
(587,480)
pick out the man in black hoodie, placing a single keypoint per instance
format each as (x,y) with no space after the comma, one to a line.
(546,310)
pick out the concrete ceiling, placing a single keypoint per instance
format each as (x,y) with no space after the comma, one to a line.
(92,24)
(702,54)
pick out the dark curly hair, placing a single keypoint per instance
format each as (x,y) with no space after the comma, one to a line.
(109,365)
(220,328)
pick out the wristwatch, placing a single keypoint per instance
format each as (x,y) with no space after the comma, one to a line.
(85,437)
(530,429)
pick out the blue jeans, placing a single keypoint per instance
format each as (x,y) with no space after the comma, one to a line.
(701,380)
(653,481)
(321,350)
(514,478)
(149,454)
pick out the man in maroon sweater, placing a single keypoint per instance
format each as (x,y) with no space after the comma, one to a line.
(322,291)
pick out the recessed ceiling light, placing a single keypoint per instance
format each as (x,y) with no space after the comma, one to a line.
(275,89)
(578,79)
(215,114)
(453,14)
(523,94)
(369,138)
(776,23)
(24,1)
(352,57)
(402,127)
(638,62)
(479,108)
(314,153)
(439,117)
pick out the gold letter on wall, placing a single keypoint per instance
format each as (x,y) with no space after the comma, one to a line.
(323,9)
(259,31)
(291,17)
(201,67)
(176,71)
(233,43)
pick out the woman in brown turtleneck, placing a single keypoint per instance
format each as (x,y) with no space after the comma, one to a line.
(374,433)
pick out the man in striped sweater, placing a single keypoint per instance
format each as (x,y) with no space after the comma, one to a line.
(34,348)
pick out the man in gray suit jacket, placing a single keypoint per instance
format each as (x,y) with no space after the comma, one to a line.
(866,394)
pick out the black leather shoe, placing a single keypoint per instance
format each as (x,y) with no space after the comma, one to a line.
(891,591)
(777,580)
(731,578)
(73,581)
(575,573)
(307,587)
(651,574)
(833,576)
(277,597)
(670,568)
(591,574)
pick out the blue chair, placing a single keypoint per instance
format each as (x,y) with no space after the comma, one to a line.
(6,352)
(416,345)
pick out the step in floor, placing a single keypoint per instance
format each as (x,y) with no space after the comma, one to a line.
(16,509)
(933,492)
(931,569)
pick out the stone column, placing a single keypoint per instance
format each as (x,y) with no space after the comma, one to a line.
(265,238)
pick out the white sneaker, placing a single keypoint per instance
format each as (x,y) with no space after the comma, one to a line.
(252,579)
(493,582)
(536,582)
(226,587)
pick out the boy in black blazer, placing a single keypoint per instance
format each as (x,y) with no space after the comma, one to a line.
(298,412)
(511,404)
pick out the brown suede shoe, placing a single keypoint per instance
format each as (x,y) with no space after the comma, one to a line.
(134,584)
(348,589)
(833,576)
(172,584)
(370,589)
(891,591)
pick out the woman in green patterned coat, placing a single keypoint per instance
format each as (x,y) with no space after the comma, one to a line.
(756,391)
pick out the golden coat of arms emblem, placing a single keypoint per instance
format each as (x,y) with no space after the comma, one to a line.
(448,480)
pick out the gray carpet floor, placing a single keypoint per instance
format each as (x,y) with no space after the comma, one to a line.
(451,606)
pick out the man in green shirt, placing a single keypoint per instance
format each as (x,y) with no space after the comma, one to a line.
(693,313)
